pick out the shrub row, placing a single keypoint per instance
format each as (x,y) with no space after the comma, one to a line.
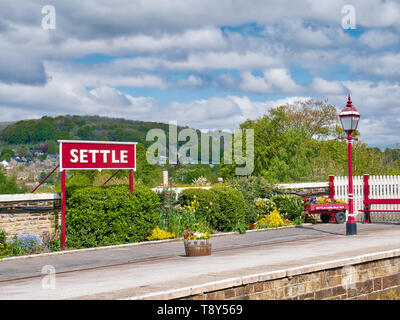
(233,207)
(100,216)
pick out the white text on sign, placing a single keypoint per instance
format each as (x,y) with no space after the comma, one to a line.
(84,156)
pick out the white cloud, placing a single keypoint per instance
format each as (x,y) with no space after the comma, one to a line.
(275,80)
(377,39)
(239,47)
(200,61)
(255,84)
(105,75)
(191,81)
(205,38)
(322,86)
(382,65)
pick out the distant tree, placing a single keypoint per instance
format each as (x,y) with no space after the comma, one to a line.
(65,124)
(44,129)
(53,147)
(51,179)
(62,135)
(9,185)
(6,154)
(284,137)
(22,151)
(29,131)
(85,132)
(44,147)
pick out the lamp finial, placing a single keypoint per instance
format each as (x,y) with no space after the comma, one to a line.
(349,102)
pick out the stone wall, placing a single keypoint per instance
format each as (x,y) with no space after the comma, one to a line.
(377,278)
(306,189)
(30,213)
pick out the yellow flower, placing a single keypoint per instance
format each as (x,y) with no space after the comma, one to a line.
(159,234)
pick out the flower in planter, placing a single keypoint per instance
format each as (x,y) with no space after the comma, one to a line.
(196,236)
(310,200)
(329,201)
(322,201)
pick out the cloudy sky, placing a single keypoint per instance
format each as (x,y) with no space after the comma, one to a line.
(206,64)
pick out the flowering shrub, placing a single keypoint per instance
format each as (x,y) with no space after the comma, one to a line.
(24,244)
(196,236)
(273,219)
(221,208)
(201,202)
(159,234)
(200,181)
(252,187)
(322,200)
(264,206)
(3,240)
(290,207)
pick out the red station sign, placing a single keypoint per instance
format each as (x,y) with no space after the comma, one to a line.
(80,155)
(93,155)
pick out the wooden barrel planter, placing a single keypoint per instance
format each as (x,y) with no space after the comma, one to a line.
(195,248)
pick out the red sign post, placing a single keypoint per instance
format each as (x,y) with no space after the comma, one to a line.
(94,155)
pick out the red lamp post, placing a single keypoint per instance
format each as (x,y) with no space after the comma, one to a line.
(349,118)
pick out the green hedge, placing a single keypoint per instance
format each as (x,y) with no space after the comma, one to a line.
(290,207)
(100,216)
(232,209)
(223,208)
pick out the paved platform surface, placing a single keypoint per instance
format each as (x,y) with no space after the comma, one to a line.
(161,270)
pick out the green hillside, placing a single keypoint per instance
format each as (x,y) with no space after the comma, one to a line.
(76,128)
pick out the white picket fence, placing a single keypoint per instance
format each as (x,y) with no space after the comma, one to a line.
(380,187)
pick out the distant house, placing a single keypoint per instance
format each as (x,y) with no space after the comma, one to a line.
(52,157)
(4,164)
(36,152)
(19,159)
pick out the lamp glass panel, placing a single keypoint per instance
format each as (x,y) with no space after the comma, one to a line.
(346,123)
(354,122)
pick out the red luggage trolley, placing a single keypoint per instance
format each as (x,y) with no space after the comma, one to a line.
(330,212)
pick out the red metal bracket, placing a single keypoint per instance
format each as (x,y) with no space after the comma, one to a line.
(45,179)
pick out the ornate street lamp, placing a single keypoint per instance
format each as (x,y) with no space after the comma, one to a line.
(349,118)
